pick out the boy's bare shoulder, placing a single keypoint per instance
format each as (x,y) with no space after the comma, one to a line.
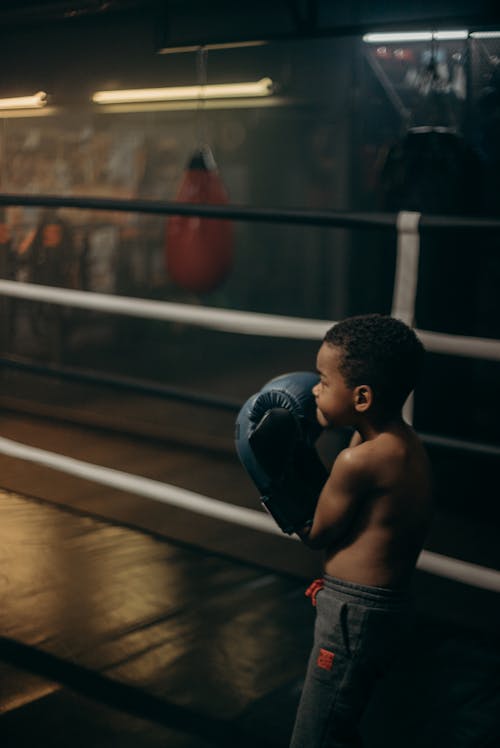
(353,465)
(388,451)
(383,446)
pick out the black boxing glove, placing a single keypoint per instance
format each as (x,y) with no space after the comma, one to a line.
(275,434)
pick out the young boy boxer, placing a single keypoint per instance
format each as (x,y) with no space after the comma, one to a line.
(371,520)
(370,515)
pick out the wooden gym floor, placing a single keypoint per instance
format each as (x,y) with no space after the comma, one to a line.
(127,623)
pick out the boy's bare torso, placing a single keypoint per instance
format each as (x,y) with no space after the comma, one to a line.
(383,542)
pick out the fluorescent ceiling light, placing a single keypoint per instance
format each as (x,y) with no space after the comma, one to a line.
(414,36)
(485,34)
(263,87)
(410,36)
(36,101)
(450,35)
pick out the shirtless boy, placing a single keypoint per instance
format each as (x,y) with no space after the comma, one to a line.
(371,521)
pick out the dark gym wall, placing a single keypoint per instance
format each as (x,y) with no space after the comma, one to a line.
(292,155)
(321,147)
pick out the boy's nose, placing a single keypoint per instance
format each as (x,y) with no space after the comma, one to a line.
(314,389)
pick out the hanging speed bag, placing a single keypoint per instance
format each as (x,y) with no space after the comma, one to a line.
(6,255)
(199,251)
(432,170)
(5,237)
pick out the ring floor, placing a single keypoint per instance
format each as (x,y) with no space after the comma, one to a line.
(113,636)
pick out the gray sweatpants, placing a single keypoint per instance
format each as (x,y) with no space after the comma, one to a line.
(358,633)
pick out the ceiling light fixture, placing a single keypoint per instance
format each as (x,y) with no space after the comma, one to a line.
(36,101)
(414,36)
(485,34)
(262,87)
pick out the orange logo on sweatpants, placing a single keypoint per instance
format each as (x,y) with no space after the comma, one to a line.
(325,659)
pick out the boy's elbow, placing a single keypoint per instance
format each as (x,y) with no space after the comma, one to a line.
(315,543)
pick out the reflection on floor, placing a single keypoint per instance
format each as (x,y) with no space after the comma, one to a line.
(110,636)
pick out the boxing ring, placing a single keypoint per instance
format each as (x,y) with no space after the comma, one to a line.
(407,226)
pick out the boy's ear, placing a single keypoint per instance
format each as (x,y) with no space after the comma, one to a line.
(363,398)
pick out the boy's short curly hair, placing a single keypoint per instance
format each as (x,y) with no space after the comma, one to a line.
(379,351)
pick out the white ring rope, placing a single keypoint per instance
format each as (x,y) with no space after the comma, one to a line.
(451,568)
(460,345)
(246,323)
(460,571)
(444,441)
(226,320)
(150,489)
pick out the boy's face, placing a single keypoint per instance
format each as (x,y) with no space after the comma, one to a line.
(334,399)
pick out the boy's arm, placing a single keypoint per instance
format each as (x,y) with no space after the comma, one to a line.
(339,500)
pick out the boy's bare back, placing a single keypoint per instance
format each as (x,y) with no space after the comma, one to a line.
(385,483)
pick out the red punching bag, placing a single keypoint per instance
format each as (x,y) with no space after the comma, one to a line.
(6,254)
(199,251)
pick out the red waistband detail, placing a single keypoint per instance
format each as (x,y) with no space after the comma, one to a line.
(313,590)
